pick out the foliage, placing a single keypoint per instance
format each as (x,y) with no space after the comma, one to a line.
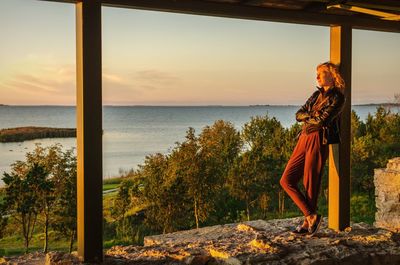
(373,143)
(3,214)
(202,163)
(122,203)
(362,208)
(164,195)
(220,175)
(42,188)
(23,197)
(65,210)
(255,175)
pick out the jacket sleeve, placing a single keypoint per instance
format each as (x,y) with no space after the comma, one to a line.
(329,113)
(302,114)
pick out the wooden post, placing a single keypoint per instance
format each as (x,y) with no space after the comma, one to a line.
(339,154)
(89,130)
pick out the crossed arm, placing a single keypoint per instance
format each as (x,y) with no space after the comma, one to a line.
(323,117)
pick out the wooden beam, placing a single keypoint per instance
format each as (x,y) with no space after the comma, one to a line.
(232,10)
(253,2)
(369,11)
(89,130)
(339,154)
(382,5)
(245,11)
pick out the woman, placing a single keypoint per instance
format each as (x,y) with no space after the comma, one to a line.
(320,117)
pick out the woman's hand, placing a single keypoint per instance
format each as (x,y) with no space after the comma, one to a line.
(302,116)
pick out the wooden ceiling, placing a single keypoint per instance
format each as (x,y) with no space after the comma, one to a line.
(345,8)
(383,15)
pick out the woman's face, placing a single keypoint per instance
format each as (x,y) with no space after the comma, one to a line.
(324,77)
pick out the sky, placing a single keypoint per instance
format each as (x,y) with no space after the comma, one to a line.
(158,58)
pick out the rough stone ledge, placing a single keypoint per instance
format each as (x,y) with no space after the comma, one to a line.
(387,196)
(255,242)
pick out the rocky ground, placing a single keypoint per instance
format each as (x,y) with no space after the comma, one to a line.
(254,242)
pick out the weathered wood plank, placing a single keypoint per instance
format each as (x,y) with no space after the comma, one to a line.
(339,154)
(89,130)
(245,11)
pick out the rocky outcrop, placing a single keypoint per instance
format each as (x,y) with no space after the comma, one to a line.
(265,242)
(58,258)
(254,242)
(387,194)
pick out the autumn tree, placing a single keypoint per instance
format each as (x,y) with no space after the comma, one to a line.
(186,163)
(55,189)
(376,140)
(256,172)
(3,214)
(163,195)
(203,163)
(122,204)
(65,207)
(56,163)
(24,187)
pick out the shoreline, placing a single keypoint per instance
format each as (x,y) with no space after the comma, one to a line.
(203,105)
(20,134)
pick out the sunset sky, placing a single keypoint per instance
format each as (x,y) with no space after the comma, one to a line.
(154,58)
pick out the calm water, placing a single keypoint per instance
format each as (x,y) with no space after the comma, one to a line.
(131,133)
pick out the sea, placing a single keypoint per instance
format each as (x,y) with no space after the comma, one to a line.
(132,132)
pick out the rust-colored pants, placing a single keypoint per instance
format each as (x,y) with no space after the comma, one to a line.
(307,161)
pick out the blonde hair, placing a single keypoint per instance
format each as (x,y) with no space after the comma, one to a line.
(334,71)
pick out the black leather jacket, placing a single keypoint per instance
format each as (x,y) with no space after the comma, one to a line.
(324,119)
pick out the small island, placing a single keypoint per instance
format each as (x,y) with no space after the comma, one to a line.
(21,134)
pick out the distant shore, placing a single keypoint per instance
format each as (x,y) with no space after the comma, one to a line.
(379,104)
(21,134)
(211,105)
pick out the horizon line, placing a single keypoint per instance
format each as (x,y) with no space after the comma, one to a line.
(196,105)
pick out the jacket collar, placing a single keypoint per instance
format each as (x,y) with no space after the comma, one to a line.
(322,91)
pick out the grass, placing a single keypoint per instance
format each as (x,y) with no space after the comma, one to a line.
(112,183)
(14,245)
(110,186)
(115,180)
(361,211)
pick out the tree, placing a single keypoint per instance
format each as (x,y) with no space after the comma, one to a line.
(122,203)
(65,207)
(51,159)
(397,98)
(55,190)
(376,141)
(220,145)
(256,171)
(244,181)
(23,190)
(3,214)
(186,163)
(163,195)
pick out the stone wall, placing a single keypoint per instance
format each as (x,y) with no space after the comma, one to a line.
(387,194)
